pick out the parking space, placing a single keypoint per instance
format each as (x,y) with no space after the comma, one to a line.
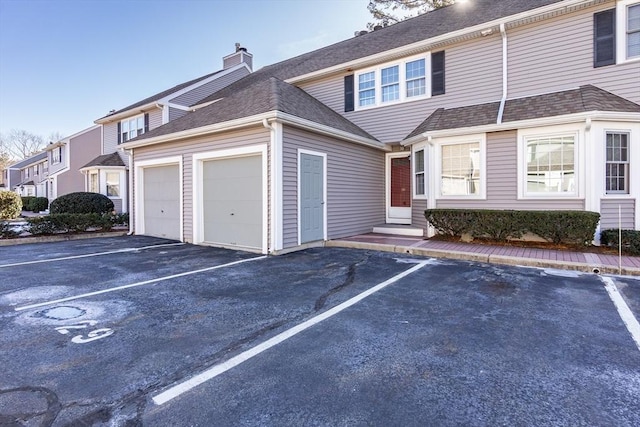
(188,335)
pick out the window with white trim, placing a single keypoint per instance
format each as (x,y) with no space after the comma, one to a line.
(460,170)
(632,22)
(130,128)
(393,82)
(56,155)
(93,182)
(550,165)
(617,163)
(113,184)
(419,173)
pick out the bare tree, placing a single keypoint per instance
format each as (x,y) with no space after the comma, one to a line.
(19,144)
(389,12)
(55,136)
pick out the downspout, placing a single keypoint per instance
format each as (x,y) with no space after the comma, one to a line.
(274,229)
(130,192)
(503,33)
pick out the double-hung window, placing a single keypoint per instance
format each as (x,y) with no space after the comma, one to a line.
(632,30)
(93,182)
(367,89)
(113,184)
(390,83)
(460,170)
(419,173)
(550,165)
(56,155)
(130,128)
(415,72)
(617,163)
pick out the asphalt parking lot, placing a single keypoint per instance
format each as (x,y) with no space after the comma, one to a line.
(140,331)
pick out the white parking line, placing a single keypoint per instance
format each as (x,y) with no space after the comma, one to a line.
(117,251)
(216,370)
(133,285)
(623,309)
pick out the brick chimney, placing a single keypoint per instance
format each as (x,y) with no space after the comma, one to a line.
(238,57)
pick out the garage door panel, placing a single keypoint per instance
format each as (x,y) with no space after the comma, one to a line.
(232,201)
(162,201)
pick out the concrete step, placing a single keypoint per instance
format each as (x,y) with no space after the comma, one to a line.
(399,230)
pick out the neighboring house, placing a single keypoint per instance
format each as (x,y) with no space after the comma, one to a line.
(107,173)
(28,177)
(483,104)
(67,156)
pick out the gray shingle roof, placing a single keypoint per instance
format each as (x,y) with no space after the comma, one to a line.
(162,94)
(422,27)
(583,99)
(29,160)
(264,96)
(112,159)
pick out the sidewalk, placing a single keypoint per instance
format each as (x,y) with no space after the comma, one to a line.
(510,255)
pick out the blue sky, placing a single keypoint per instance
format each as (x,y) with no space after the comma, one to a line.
(65,63)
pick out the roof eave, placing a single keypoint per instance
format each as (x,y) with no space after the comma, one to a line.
(522,124)
(124,114)
(425,45)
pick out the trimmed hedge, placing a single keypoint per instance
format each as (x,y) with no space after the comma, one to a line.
(81,203)
(68,223)
(10,205)
(573,227)
(26,202)
(630,240)
(38,204)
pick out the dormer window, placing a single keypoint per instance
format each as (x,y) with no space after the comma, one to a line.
(56,155)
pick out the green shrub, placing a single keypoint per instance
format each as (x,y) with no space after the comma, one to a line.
(7,231)
(573,227)
(81,203)
(10,205)
(41,225)
(26,202)
(630,240)
(38,204)
(121,219)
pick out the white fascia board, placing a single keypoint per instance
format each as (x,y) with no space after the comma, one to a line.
(328,130)
(425,45)
(128,113)
(523,124)
(77,134)
(256,120)
(205,104)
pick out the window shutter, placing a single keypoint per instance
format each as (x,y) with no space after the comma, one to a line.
(604,38)
(437,73)
(119,133)
(348,93)
(146,122)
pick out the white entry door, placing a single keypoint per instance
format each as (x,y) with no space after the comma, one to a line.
(399,188)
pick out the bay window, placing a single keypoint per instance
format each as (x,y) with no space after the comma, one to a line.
(460,170)
(113,184)
(550,165)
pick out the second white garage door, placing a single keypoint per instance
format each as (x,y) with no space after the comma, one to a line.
(232,201)
(162,201)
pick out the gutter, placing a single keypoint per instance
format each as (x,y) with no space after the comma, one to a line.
(130,191)
(586,117)
(503,100)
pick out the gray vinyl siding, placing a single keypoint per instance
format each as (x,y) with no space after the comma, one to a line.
(557,54)
(186,149)
(155,118)
(117,204)
(193,96)
(417,213)
(175,113)
(55,167)
(110,138)
(502,181)
(83,148)
(355,184)
(473,75)
(609,213)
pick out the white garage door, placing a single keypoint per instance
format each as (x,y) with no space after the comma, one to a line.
(162,201)
(232,201)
